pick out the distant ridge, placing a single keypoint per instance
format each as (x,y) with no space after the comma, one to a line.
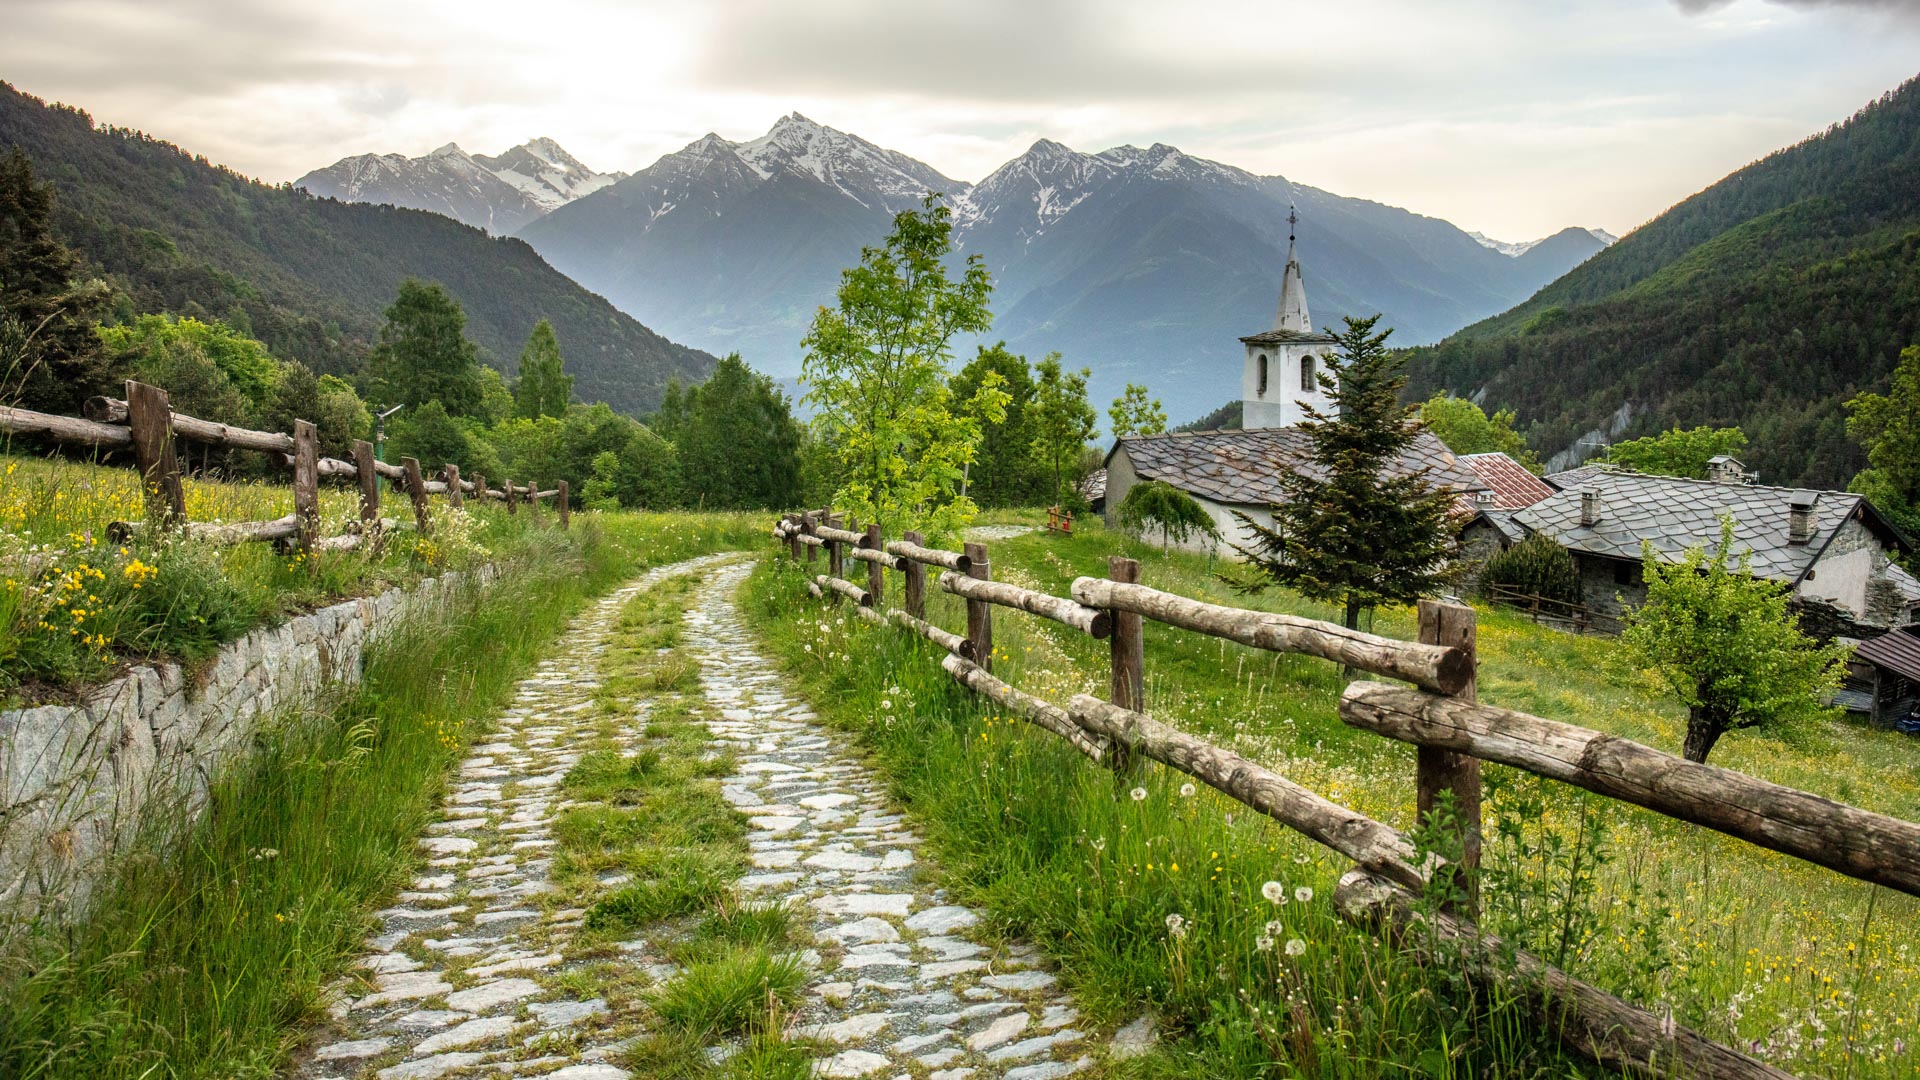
(498,194)
(1766,300)
(312,277)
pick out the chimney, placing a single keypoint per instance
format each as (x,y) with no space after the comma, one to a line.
(1589,508)
(1800,520)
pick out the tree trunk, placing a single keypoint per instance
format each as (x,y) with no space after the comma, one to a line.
(1702,732)
(1347,671)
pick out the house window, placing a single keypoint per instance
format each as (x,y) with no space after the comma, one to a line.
(1306,374)
(1626,573)
(1262,391)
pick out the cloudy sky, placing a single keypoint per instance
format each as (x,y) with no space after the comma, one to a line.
(1513,117)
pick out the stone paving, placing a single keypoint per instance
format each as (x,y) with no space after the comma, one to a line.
(460,979)
(903,987)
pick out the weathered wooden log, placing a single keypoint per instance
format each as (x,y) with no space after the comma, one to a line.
(455,489)
(566,509)
(153,453)
(946,639)
(225,436)
(550,493)
(435,487)
(1442,773)
(1858,843)
(845,588)
(67,429)
(948,560)
(814,590)
(1042,714)
(871,615)
(877,563)
(336,467)
(1590,1021)
(844,536)
(1127,660)
(369,480)
(306,480)
(417,491)
(1092,621)
(811,541)
(913,589)
(979,612)
(877,558)
(241,532)
(1433,667)
(1360,838)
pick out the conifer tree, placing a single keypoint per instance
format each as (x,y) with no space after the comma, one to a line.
(1348,531)
(49,357)
(545,389)
(739,445)
(423,353)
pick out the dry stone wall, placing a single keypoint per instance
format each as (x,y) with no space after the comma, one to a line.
(77,782)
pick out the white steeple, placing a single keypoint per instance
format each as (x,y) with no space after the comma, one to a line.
(1292,313)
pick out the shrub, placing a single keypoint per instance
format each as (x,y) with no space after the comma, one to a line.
(1157,505)
(1536,566)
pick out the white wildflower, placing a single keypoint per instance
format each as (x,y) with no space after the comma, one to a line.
(1177,926)
(1274,927)
(1263,943)
(886,704)
(1296,947)
(1304,894)
(1275,892)
(1139,794)
(1187,790)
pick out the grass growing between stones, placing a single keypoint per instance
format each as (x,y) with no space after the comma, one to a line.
(210,944)
(1814,972)
(652,849)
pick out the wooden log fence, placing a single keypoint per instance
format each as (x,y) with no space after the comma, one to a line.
(1438,713)
(145,423)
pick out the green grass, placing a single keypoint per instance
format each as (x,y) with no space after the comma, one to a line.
(1814,970)
(205,958)
(728,993)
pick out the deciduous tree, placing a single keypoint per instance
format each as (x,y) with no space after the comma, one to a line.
(739,445)
(1004,471)
(1678,452)
(1728,645)
(1888,427)
(1467,429)
(1134,414)
(1155,504)
(876,372)
(423,353)
(1062,419)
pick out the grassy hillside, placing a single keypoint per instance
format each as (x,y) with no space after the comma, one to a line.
(311,277)
(1810,970)
(1765,301)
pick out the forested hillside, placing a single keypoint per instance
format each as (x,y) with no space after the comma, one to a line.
(1765,301)
(312,277)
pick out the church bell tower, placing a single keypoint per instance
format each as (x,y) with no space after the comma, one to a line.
(1281,379)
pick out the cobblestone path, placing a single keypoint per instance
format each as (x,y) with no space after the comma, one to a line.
(466,976)
(902,988)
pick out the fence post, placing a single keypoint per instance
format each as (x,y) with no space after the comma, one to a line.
(369,483)
(306,481)
(533,500)
(806,522)
(979,612)
(150,422)
(1439,770)
(513,504)
(566,517)
(835,560)
(876,574)
(1129,656)
(417,491)
(455,498)
(915,590)
(480,487)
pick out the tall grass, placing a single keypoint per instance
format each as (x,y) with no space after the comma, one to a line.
(1811,970)
(205,953)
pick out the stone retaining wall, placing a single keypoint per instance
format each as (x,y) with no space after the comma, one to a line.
(77,781)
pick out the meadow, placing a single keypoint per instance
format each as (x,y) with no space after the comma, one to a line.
(1155,895)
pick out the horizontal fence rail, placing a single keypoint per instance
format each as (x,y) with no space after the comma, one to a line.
(145,423)
(1438,714)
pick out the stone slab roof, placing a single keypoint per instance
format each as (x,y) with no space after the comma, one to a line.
(1093,487)
(1242,468)
(1514,488)
(1676,514)
(1573,478)
(1290,337)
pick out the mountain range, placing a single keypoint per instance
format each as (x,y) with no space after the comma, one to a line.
(498,194)
(313,277)
(1144,264)
(1767,301)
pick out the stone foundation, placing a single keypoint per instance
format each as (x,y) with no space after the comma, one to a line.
(77,781)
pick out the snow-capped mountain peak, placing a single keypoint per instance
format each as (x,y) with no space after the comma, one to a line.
(869,174)
(1516,249)
(498,194)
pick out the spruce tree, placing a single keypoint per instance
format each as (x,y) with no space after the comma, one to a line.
(545,388)
(423,353)
(1347,531)
(50,359)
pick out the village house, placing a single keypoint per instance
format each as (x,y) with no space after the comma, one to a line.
(1240,470)
(1490,528)
(1831,547)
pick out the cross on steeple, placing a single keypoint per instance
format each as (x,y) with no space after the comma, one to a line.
(1292,220)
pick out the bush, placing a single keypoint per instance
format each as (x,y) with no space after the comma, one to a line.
(1535,566)
(1156,505)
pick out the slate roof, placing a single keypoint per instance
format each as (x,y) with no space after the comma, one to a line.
(1895,650)
(1575,477)
(1514,488)
(1093,486)
(1503,523)
(1290,337)
(1677,514)
(1242,468)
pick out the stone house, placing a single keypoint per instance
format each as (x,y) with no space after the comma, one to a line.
(1831,547)
(1490,528)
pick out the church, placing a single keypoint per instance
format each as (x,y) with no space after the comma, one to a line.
(1239,470)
